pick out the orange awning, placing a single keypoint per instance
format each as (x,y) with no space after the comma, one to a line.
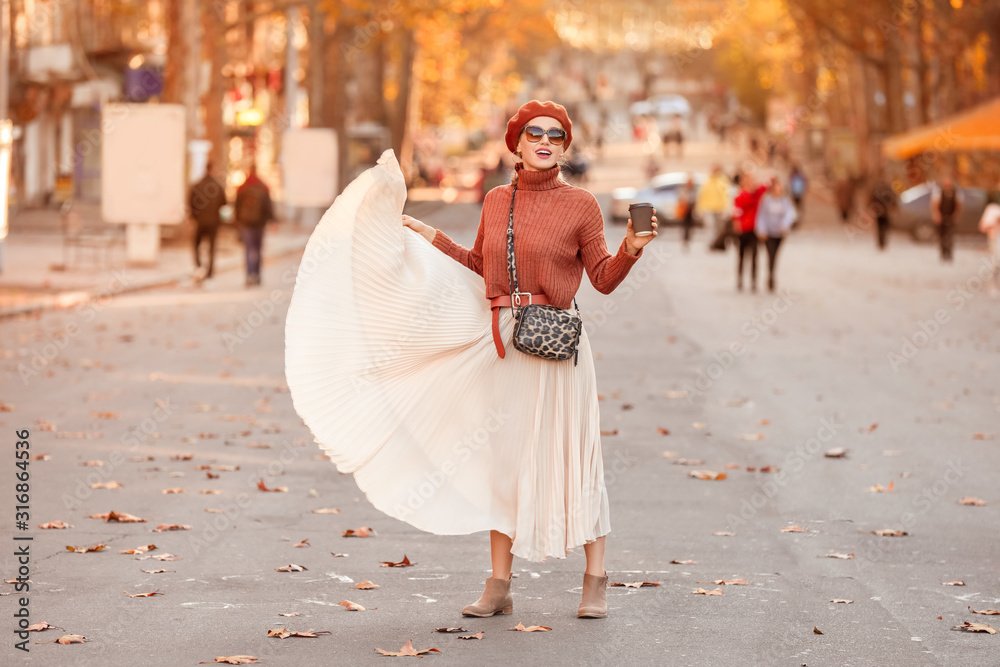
(977,129)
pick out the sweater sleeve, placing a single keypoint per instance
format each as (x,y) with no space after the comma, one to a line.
(470,259)
(606,271)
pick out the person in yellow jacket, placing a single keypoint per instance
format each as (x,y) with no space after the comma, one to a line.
(713,204)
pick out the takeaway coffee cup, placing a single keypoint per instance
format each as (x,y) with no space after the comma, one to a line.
(642,218)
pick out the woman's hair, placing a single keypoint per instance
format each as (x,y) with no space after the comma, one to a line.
(518,166)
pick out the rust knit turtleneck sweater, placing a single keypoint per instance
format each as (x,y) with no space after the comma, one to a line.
(558,231)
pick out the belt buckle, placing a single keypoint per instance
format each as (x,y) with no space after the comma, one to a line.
(516,298)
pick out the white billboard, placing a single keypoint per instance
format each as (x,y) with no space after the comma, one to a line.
(309,166)
(142,170)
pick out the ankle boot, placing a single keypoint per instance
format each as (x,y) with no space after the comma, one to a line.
(595,599)
(495,599)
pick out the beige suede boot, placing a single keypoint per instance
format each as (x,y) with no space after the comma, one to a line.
(595,599)
(495,599)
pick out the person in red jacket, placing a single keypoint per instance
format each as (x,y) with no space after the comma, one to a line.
(744,220)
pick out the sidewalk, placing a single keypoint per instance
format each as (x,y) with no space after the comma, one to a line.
(41,272)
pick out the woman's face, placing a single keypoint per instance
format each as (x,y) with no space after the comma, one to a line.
(541,155)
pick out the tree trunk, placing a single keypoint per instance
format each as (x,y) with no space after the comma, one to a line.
(400,115)
(214,50)
(334,99)
(923,73)
(173,70)
(317,56)
(893,77)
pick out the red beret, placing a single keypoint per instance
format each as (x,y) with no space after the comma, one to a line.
(534,109)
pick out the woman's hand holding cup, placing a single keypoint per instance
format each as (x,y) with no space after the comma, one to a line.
(643,230)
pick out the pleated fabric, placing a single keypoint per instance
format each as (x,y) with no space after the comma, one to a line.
(390,361)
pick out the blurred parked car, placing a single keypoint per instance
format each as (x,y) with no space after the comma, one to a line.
(661,192)
(915,212)
(662,106)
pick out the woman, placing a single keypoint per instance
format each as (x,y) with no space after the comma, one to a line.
(775,215)
(408,379)
(685,209)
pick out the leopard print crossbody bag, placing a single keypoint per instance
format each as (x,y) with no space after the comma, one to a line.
(541,331)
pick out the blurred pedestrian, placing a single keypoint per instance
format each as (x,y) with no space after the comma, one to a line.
(989,224)
(775,215)
(797,184)
(744,222)
(685,209)
(882,202)
(946,205)
(844,193)
(712,205)
(674,134)
(253,211)
(206,199)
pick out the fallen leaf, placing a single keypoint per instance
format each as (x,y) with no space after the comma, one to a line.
(878,488)
(408,650)
(92,464)
(732,466)
(975,627)
(157,571)
(614,432)
(326,510)
(478,635)
(957,582)
(531,628)
(366,585)
(277,489)
(54,525)
(669,455)
(164,527)
(793,529)
(210,475)
(835,453)
(67,639)
(104,415)
(233,660)
(291,567)
(699,425)
(302,544)
(168,491)
(182,457)
(138,550)
(869,429)
(838,600)
(682,562)
(635,584)
(662,431)
(351,606)
(42,626)
(707,474)
(41,457)
(403,563)
(982,436)
(289,613)
(985,612)
(723,533)
(363,531)
(689,462)
(889,532)
(627,406)
(675,394)
(162,557)
(450,630)
(753,436)
(702,591)
(335,555)
(84,550)
(106,485)
(730,582)
(210,492)
(764,422)
(282,633)
(975,502)
(841,556)
(117,517)
(213,510)
(142,595)
(817,630)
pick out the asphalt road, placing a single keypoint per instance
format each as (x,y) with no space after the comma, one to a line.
(892,357)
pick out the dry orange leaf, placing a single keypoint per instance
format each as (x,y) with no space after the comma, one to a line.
(117,517)
(957,582)
(730,582)
(302,544)
(138,550)
(982,436)
(753,436)
(232,660)
(662,431)
(841,601)
(689,462)
(167,491)
(635,584)
(699,425)
(889,532)
(289,613)
(531,628)
(291,567)
(408,650)
(42,626)
(707,474)
(92,464)
(975,627)
(841,556)
(336,555)
(142,595)
(817,630)
(614,432)
(282,633)
(351,606)
(363,531)
(870,428)
(157,571)
(104,415)
(326,510)
(83,550)
(975,502)
(67,639)
(732,466)
(878,488)
(403,563)
(449,630)
(478,635)
(54,525)
(182,457)
(277,489)
(164,527)
(210,492)
(682,562)
(702,591)
(106,485)
(985,612)
(210,475)
(793,529)
(366,585)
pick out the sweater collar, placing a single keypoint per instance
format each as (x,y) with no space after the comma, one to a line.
(539,180)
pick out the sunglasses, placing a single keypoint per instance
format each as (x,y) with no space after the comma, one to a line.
(534,133)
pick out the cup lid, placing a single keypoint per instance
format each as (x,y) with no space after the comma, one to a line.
(639,205)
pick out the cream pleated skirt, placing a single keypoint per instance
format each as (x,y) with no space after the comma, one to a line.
(390,360)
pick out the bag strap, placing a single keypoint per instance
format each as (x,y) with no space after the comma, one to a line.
(511,266)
